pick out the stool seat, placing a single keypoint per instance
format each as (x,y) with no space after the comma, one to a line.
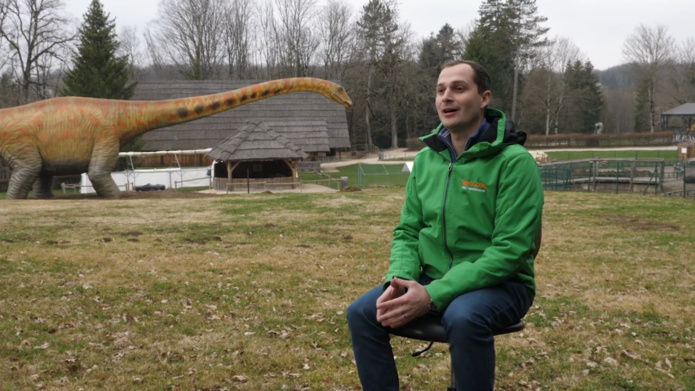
(430,328)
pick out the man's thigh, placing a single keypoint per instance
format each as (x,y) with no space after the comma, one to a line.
(495,307)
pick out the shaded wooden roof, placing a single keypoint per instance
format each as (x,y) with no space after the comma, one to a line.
(255,141)
(310,136)
(686,109)
(294,108)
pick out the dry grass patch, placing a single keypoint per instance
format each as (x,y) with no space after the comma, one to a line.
(249,292)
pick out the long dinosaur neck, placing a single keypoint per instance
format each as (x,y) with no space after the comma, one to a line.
(148,115)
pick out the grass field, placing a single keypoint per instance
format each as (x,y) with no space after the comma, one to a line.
(668,156)
(249,292)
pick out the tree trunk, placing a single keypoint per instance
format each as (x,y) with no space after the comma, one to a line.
(557,114)
(516,81)
(368,108)
(547,107)
(547,118)
(650,91)
(394,121)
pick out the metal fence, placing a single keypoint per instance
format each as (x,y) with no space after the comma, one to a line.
(381,175)
(327,181)
(634,175)
(614,175)
(683,180)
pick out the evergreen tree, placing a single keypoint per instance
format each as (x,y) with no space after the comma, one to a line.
(642,106)
(439,49)
(9,91)
(384,44)
(97,71)
(505,35)
(586,100)
(434,52)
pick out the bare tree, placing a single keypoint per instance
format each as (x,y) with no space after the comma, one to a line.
(38,37)
(239,25)
(269,40)
(559,54)
(295,29)
(650,49)
(337,31)
(130,48)
(682,72)
(187,34)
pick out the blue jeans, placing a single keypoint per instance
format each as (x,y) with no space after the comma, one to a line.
(469,321)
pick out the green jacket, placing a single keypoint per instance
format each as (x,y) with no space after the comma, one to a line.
(469,224)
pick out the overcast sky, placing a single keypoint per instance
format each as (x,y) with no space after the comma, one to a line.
(598,27)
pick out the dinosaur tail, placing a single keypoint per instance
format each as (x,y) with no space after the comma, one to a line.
(148,115)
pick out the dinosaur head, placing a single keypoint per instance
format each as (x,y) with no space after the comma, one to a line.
(338,94)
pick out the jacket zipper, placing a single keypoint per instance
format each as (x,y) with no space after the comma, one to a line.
(446,193)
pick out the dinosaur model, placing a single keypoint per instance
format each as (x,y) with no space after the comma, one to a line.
(71,135)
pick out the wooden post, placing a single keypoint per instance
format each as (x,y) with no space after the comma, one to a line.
(617,176)
(633,167)
(661,178)
(230,168)
(293,167)
(229,174)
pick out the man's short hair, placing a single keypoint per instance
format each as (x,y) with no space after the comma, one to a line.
(480,76)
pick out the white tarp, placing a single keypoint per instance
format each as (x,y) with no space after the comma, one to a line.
(407,167)
(169,177)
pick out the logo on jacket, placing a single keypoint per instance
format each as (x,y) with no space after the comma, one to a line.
(473,186)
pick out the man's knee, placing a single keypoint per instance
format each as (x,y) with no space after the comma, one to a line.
(465,321)
(363,308)
(354,310)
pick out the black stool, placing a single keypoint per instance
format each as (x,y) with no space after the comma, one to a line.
(430,328)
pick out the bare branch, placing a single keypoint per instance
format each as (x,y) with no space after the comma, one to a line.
(37,34)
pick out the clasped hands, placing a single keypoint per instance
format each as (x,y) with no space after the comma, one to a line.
(401,302)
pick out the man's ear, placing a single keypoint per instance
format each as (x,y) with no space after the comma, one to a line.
(486,96)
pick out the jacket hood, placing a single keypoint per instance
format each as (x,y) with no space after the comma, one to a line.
(500,134)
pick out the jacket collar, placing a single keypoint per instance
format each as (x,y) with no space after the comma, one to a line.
(494,136)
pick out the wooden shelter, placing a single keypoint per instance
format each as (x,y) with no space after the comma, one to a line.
(683,116)
(257,155)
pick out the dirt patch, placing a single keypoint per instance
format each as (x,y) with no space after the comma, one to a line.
(634,223)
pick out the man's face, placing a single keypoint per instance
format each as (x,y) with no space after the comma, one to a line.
(459,105)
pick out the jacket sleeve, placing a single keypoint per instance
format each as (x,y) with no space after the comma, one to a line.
(404,261)
(518,213)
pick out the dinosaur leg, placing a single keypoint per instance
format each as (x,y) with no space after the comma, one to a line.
(43,187)
(24,174)
(104,158)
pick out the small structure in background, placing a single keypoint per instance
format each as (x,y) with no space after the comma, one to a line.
(255,156)
(686,152)
(680,119)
